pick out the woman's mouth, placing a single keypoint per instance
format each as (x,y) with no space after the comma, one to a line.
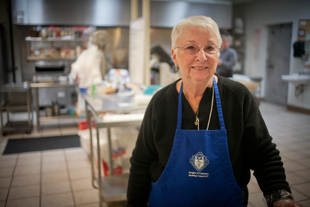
(200,68)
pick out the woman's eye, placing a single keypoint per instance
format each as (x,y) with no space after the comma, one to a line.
(210,48)
(190,47)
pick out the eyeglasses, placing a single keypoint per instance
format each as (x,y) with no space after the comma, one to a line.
(194,49)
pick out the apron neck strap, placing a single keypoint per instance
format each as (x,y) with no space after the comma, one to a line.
(218,105)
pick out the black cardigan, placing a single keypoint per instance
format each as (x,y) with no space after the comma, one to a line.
(250,145)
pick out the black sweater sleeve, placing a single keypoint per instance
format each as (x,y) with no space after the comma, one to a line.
(250,144)
(261,153)
(143,155)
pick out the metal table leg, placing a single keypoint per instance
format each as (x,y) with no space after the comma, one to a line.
(1,113)
(36,94)
(88,116)
(99,167)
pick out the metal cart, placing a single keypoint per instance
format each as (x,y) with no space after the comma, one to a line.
(39,119)
(112,188)
(16,98)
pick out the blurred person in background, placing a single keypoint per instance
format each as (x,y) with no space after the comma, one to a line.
(228,58)
(90,67)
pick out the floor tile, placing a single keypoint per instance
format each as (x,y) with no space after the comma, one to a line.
(305,162)
(54,160)
(294,179)
(24,192)
(26,180)
(51,132)
(92,205)
(55,177)
(51,168)
(295,155)
(56,188)
(253,187)
(82,164)
(81,185)
(8,158)
(303,188)
(257,200)
(305,203)
(3,193)
(27,170)
(33,155)
(53,153)
(304,173)
(292,166)
(7,163)
(76,154)
(5,182)
(33,202)
(298,196)
(6,172)
(59,200)
(80,174)
(86,197)
(29,161)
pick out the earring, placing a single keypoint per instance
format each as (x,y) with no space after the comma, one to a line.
(176,68)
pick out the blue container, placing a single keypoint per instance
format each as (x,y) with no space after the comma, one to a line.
(152,89)
(83,90)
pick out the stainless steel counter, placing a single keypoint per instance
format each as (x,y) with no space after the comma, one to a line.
(111,188)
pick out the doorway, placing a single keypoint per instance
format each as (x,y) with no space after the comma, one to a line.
(278,63)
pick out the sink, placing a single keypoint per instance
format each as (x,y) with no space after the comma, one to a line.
(297,79)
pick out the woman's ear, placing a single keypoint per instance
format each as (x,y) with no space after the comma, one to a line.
(174,54)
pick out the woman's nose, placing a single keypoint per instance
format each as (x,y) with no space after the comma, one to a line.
(201,55)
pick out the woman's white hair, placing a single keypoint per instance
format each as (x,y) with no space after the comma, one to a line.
(203,22)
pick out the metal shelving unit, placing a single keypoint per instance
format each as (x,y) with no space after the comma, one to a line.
(68,42)
(55,56)
(9,105)
(39,119)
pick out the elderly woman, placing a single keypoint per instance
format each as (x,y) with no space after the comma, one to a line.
(202,134)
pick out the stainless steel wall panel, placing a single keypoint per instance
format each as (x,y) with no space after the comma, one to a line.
(167,14)
(74,12)
(114,13)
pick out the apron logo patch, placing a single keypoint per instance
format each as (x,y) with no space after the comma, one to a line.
(199,161)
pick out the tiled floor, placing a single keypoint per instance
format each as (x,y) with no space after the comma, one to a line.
(62,177)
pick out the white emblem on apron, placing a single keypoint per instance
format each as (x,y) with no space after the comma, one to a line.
(199,161)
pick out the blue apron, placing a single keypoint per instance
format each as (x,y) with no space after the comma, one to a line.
(198,172)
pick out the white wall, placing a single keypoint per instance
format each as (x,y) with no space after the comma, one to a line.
(257,16)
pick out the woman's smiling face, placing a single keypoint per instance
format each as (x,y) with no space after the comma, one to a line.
(200,66)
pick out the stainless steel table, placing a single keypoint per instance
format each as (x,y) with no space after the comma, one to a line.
(18,105)
(36,87)
(111,188)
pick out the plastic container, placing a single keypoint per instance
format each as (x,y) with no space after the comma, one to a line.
(49,111)
(56,108)
(84,125)
(152,89)
(83,90)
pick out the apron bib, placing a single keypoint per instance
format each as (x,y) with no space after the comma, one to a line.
(198,172)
